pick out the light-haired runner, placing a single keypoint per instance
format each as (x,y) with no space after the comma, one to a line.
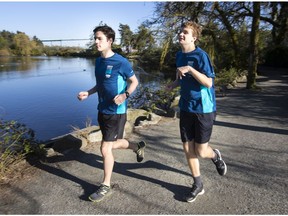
(197,104)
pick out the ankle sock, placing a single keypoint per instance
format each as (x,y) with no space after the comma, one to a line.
(197,180)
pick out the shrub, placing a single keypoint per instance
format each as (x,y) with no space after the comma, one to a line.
(16,143)
(226,76)
(152,99)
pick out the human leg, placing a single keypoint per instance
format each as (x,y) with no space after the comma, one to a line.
(187,130)
(204,128)
(194,165)
(108,164)
(191,157)
(107,125)
(108,161)
(121,143)
(138,148)
(124,144)
(204,150)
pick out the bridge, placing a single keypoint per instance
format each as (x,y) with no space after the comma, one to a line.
(63,40)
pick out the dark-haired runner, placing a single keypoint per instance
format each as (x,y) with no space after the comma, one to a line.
(112,72)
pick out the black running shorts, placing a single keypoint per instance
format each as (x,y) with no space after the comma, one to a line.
(112,126)
(196,126)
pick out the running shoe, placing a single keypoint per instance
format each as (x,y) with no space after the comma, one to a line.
(102,192)
(140,151)
(219,163)
(195,191)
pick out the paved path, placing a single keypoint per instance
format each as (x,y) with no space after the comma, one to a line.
(251,132)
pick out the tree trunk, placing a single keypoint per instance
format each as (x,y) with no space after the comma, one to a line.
(231,31)
(281,17)
(254,46)
(165,50)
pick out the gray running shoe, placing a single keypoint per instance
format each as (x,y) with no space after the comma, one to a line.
(219,163)
(195,191)
(140,151)
(102,192)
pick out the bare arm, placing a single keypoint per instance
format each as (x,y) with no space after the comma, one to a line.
(119,99)
(85,94)
(201,78)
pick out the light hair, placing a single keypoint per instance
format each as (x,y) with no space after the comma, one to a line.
(196,28)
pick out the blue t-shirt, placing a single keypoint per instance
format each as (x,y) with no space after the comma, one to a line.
(111,78)
(195,97)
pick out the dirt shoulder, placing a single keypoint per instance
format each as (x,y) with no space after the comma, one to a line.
(251,131)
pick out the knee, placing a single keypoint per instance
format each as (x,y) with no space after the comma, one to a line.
(105,150)
(189,149)
(202,153)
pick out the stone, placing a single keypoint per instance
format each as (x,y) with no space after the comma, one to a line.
(80,138)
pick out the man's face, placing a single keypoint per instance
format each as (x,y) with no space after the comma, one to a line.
(102,42)
(186,36)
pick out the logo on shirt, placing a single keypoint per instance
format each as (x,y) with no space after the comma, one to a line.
(108,71)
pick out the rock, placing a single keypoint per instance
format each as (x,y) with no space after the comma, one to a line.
(175,102)
(69,141)
(129,127)
(50,152)
(174,110)
(94,136)
(241,79)
(79,139)
(229,86)
(134,116)
(152,120)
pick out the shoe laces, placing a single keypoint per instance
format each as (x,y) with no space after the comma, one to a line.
(139,152)
(194,187)
(219,163)
(103,189)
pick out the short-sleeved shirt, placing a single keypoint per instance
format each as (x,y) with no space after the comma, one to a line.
(195,97)
(111,82)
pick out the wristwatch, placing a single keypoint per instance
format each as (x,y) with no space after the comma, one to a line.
(127,94)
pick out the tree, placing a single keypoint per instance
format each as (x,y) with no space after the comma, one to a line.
(224,12)
(22,44)
(7,39)
(3,43)
(169,18)
(37,41)
(254,46)
(143,39)
(126,37)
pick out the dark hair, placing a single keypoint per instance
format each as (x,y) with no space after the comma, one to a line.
(107,31)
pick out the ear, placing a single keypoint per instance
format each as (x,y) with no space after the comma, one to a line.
(194,39)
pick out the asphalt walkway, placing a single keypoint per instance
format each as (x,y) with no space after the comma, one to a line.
(251,131)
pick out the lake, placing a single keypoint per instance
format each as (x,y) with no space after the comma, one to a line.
(41,92)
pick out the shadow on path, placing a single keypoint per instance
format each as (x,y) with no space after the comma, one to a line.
(125,169)
(251,127)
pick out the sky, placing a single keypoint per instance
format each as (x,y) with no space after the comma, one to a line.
(71,19)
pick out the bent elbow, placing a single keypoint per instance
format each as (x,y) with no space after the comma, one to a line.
(209,85)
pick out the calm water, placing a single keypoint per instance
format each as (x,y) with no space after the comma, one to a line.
(41,93)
